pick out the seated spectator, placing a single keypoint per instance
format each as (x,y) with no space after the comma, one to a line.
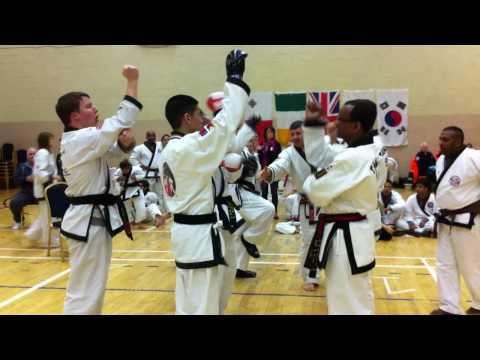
(392,205)
(418,219)
(23,179)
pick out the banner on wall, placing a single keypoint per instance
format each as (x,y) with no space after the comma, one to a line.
(261,103)
(393,116)
(290,107)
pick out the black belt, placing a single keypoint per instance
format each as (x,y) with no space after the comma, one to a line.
(229,220)
(105,200)
(312,261)
(311,209)
(195,219)
(439,219)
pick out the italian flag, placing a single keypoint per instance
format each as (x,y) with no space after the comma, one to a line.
(290,107)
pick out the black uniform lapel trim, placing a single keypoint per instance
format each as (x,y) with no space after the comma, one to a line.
(304,157)
(445,170)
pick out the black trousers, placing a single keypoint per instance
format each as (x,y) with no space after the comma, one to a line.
(274,191)
(18,202)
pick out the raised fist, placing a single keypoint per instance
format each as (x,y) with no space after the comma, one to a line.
(130,72)
(236,63)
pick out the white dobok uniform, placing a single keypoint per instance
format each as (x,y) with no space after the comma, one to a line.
(344,242)
(397,207)
(143,156)
(93,217)
(44,168)
(132,195)
(292,161)
(254,210)
(152,208)
(187,166)
(417,215)
(459,235)
(227,212)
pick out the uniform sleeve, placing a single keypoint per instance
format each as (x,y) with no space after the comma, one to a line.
(202,152)
(318,152)
(281,167)
(399,202)
(342,175)
(135,156)
(96,143)
(409,209)
(241,139)
(41,166)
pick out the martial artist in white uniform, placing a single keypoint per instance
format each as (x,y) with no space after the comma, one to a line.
(346,191)
(44,173)
(292,161)
(228,172)
(292,206)
(419,211)
(393,205)
(96,213)
(147,156)
(458,198)
(188,164)
(254,210)
(128,176)
(152,208)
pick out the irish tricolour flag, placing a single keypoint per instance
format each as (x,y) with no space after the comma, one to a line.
(290,107)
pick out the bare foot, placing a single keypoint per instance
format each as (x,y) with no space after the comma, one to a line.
(309,287)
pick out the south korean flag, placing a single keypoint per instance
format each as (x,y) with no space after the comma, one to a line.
(393,117)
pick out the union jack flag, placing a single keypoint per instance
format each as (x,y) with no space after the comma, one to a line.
(330,102)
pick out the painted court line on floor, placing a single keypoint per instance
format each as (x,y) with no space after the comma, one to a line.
(34,288)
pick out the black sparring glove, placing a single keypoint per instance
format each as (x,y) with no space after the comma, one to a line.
(250,167)
(253,121)
(236,64)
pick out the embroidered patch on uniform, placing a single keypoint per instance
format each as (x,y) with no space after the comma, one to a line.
(168,181)
(455,181)
(430,205)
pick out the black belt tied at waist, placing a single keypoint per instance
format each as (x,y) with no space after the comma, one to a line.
(440,219)
(195,219)
(229,220)
(312,261)
(106,200)
(155,172)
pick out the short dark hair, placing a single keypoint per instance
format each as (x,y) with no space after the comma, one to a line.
(365,112)
(178,106)
(388,181)
(43,140)
(164,136)
(296,125)
(425,182)
(124,164)
(457,131)
(68,104)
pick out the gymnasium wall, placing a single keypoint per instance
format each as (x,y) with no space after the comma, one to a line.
(443,82)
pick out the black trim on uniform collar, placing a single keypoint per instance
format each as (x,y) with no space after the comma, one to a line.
(240,83)
(70,129)
(134,101)
(365,140)
(178,133)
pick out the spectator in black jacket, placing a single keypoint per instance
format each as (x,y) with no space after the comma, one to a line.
(425,159)
(23,179)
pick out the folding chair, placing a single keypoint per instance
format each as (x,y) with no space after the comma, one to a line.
(58,204)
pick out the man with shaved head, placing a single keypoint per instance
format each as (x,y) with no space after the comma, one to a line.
(425,159)
(23,179)
(458,203)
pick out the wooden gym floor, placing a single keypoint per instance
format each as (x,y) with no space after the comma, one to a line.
(142,276)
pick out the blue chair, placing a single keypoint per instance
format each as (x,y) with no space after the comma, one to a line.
(58,204)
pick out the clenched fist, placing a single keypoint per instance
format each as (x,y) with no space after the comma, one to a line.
(130,72)
(126,140)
